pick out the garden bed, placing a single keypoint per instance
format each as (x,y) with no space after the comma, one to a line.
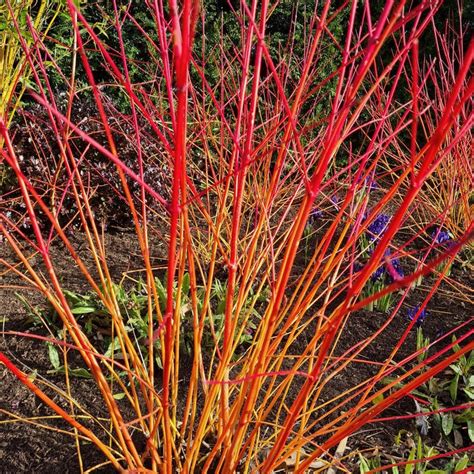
(26,447)
(236,238)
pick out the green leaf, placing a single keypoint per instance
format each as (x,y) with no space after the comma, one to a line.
(101,29)
(464,417)
(453,387)
(409,468)
(455,369)
(461,464)
(470,362)
(118,396)
(378,399)
(185,284)
(389,380)
(74,298)
(32,375)
(113,346)
(447,423)
(434,386)
(88,326)
(469,392)
(83,310)
(470,430)
(419,448)
(53,356)
(80,372)
(456,347)
(363,465)
(160,290)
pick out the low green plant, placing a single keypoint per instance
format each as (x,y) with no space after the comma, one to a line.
(416,461)
(132,302)
(384,275)
(251,306)
(453,387)
(458,428)
(383,303)
(440,396)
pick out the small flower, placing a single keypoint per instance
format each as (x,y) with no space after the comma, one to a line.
(414,311)
(371,183)
(315,214)
(441,236)
(378,227)
(358,266)
(378,274)
(394,267)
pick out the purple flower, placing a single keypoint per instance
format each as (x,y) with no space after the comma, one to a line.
(394,268)
(378,274)
(396,265)
(441,236)
(371,183)
(412,312)
(315,214)
(377,228)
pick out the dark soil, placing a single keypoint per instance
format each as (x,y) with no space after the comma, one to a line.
(26,447)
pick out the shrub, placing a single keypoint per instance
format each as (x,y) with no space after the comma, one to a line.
(249,158)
